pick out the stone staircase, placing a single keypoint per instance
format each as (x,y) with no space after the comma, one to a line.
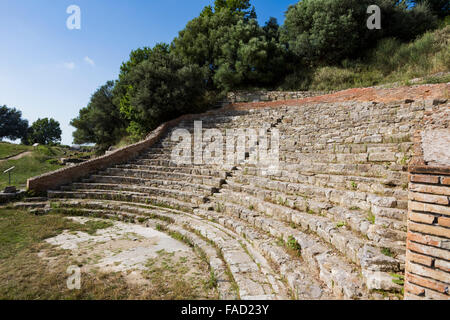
(330,224)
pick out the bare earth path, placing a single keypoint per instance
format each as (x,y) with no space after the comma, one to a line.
(17,156)
(386,95)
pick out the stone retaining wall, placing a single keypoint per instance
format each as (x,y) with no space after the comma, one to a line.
(55,179)
(264,96)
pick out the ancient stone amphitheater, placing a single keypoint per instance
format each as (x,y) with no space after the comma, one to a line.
(330,224)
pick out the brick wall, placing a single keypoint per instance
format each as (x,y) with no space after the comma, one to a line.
(428,242)
(427,272)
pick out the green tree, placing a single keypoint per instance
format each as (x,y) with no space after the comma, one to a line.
(239,6)
(328,31)
(12,126)
(136,57)
(159,89)
(100,122)
(44,131)
(441,8)
(233,48)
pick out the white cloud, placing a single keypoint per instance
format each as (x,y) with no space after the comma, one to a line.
(89,61)
(69,65)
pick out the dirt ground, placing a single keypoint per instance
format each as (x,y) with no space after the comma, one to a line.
(142,255)
(386,95)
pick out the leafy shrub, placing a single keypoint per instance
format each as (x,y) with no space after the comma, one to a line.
(100,122)
(328,31)
(159,89)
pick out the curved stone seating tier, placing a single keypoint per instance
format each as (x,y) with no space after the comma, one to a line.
(339,198)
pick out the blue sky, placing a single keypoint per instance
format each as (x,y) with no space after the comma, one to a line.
(47,70)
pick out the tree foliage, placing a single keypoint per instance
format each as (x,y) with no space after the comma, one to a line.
(328,31)
(100,122)
(44,131)
(233,48)
(158,89)
(12,126)
(441,8)
(225,49)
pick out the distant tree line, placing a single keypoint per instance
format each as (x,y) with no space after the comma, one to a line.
(225,48)
(43,131)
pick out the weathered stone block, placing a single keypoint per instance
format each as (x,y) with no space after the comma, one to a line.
(382,157)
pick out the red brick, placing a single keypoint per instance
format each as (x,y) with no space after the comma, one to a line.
(424,178)
(413,289)
(410,296)
(443,265)
(429,229)
(421,217)
(429,240)
(425,207)
(445,180)
(427,272)
(430,198)
(430,294)
(429,251)
(424,282)
(442,221)
(418,258)
(443,190)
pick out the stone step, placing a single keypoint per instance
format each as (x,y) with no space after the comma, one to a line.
(367,217)
(343,240)
(34,199)
(195,182)
(340,158)
(153,217)
(341,278)
(248,175)
(290,145)
(396,178)
(207,180)
(186,170)
(305,195)
(351,184)
(169,184)
(339,274)
(295,271)
(132,197)
(28,205)
(200,197)
(252,274)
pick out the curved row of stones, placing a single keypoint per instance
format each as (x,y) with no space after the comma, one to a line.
(331,223)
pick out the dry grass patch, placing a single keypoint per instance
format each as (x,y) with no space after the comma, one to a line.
(31,268)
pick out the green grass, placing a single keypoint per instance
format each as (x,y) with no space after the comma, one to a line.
(25,276)
(92,226)
(9,150)
(43,159)
(40,161)
(341,224)
(427,57)
(387,252)
(398,279)
(294,246)
(371,217)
